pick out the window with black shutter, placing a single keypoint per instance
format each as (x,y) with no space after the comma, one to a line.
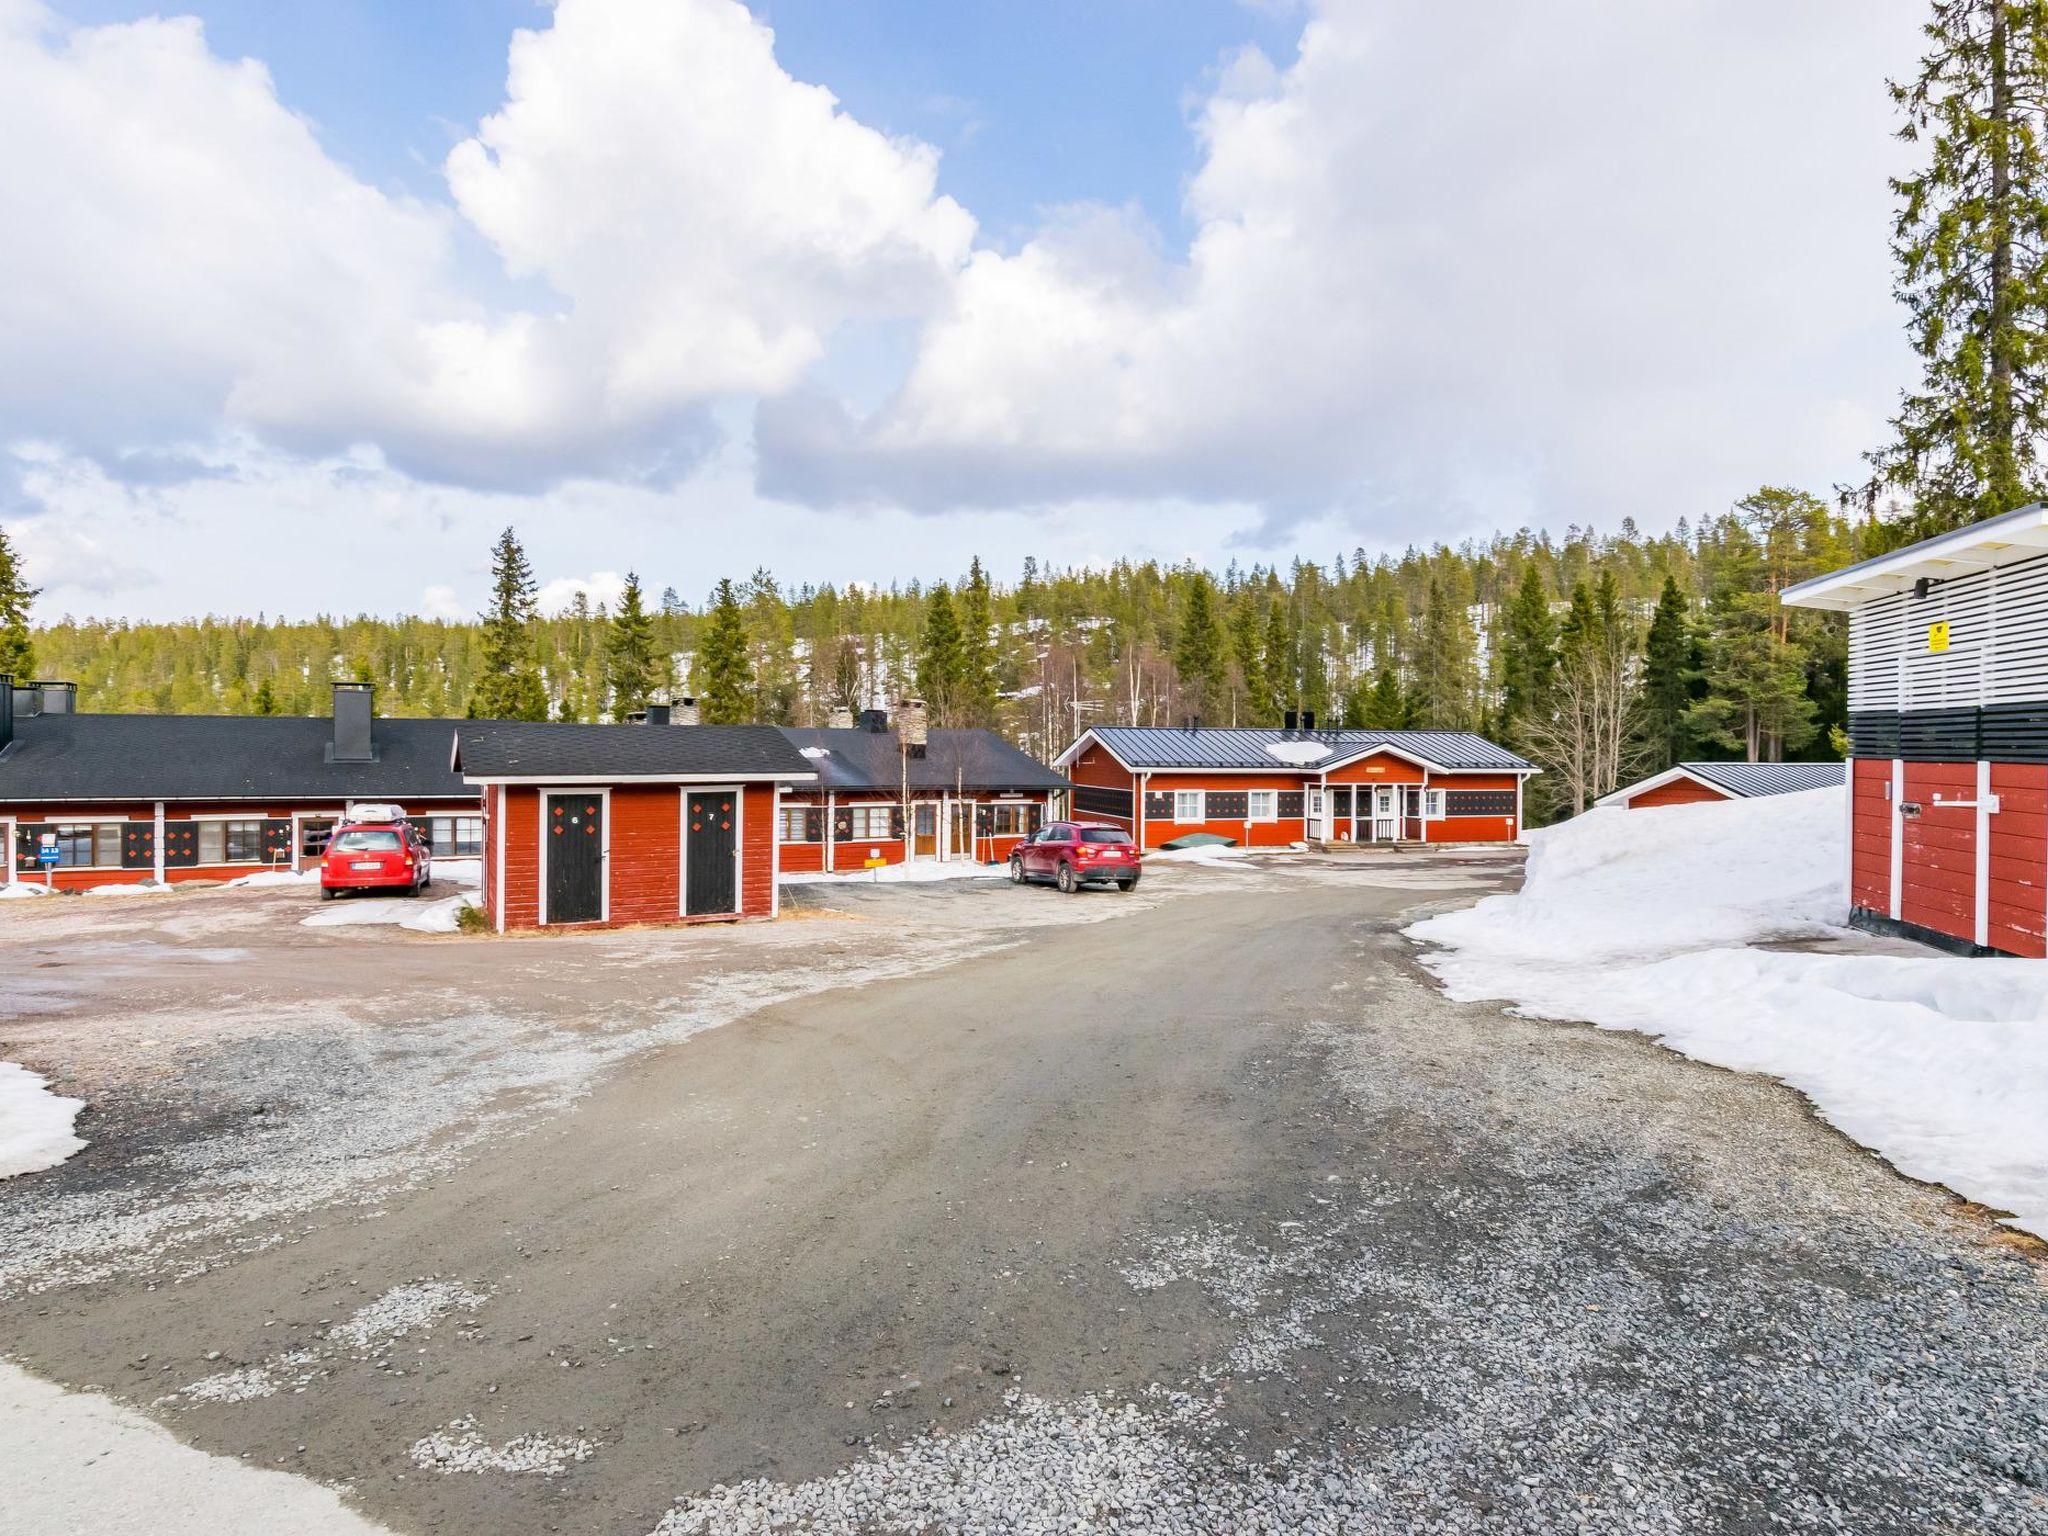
(1479,802)
(1159,805)
(1290,804)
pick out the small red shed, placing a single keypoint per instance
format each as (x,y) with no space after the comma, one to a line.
(605,825)
(1696,783)
(1947,836)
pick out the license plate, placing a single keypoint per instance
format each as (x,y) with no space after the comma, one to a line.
(369,864)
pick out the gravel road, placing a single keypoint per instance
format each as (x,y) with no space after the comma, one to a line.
(1211,1215)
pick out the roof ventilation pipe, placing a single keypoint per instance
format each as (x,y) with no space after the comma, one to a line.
(1291,721)
(1308,721)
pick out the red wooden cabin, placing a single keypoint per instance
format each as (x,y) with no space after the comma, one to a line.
(1269,788)
(1698,783)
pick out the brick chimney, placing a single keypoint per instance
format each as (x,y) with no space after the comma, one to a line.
(841,719)
(684,712)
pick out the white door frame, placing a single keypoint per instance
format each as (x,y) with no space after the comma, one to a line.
(739,844)
(604,853)
(13,853)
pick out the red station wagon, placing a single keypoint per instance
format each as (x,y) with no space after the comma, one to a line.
(1071,854)
(375,856)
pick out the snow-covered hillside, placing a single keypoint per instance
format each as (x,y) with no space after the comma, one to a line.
(1647,920)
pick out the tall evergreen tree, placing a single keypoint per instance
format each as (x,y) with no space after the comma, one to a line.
(508,685)
(724,670)
(1528,651)
(1250,690)
(1276,664)
(1380,705)
(1968,240)
(1443,663)
(1198,657)
(939,657)
(977,702)
(629,665)
(17,649)
(1668,679)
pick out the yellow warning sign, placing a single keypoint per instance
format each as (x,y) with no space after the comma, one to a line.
(1937,637)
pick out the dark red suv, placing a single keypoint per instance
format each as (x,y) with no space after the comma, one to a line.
(1071,854)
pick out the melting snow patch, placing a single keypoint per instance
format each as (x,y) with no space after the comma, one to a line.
(392,911)
(131,888)
(274,877)
(16,890)
(35,1124)
(1642,920)
(457,1447)
(903,874)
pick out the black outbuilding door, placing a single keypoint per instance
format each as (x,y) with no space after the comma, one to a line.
(710,833)
(573,848)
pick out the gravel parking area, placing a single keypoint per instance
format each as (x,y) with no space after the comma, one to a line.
(989,1210)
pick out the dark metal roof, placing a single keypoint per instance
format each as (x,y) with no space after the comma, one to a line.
(965,759)
(66,757)
(1752,779)
(511,749)
(1143,746)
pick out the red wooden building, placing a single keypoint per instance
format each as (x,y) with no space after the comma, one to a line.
(1696,783)
(605,825)
(1948,735)
(892,791)
(124,799)
(1268,788)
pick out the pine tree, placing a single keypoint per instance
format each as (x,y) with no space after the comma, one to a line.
(724,673)
(17,649)
(1198,651)
(939,658)
(508,685)
(1528,651)
(629,652)
(1967,240)
(1380,706)
(1668,679)
(977,702)
(265,701)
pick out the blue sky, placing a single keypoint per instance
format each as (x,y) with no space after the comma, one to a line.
(1203,279)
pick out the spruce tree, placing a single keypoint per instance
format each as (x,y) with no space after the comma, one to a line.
(265,701)
(508,685)
(1443,664)
(1276,663)
(1198,651)
(939,657)
(1967,240)
(1244,650)
(1528,651)
(629,665)
(977,701)
(1381,706)
(1668,678)
(724,673)
(17,650)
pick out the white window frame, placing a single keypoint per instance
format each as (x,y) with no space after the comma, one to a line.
(1251,804)
(1180,797)
(797,811)
(1432,805)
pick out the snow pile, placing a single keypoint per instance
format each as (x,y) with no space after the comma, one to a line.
(1202,853)
(442,916)
(902,874)
(133,888)
(35,1124)
(460,871)
(14,890)
(1642,920)
(271,877)
(1300,753)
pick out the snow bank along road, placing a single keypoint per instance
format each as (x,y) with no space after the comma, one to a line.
(1212,1215)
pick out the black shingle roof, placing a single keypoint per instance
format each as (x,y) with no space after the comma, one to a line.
(966,759)
(509,749)
(1144,746)
(72,757)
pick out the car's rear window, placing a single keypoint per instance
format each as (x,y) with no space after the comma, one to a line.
(1104,835)
(366,840)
